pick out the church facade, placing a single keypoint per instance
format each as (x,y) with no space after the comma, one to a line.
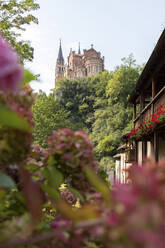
(89,63)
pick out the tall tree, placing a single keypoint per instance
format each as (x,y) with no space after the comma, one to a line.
(77,96)
(114,117)
(48,116)
(14,16)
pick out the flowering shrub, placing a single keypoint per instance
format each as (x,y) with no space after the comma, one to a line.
(15,108)
(126,216)
(15,143)
(148,126)
(134,218)
(10,70)
(72,151)
(68,196)
(137,218)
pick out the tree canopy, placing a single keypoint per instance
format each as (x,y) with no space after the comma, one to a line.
(77,96)
(48,116)
(114,117)
(14,16)
(98,105)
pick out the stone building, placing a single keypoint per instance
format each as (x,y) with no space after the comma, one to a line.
(79,65)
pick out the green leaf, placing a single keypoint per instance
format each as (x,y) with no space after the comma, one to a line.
(53,176)
(31,167)
(53,193)
(6,181)
(76,193)
(51,161)
(98,183)
(28,77)
(86,212)
(12,119)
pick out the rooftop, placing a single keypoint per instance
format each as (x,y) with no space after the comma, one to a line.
(154,64)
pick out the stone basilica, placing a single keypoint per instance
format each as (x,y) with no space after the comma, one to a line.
(79,65)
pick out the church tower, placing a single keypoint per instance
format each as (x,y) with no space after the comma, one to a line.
(80,64)
(59,65)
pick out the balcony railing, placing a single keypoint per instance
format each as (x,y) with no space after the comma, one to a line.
(151,108)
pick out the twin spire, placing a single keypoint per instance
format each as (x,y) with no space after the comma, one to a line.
(60,54)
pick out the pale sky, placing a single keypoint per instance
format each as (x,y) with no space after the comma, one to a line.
(115,27)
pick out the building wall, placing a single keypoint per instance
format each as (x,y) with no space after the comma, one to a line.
(140,156)
(117,170)
(121,168)
(60,69)
(150,150)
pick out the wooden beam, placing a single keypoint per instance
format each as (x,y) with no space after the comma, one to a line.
(153,94)
(156,146)
(144,150)
(134,111)
(136,151)
(153,88)
(142,106)
(143,101)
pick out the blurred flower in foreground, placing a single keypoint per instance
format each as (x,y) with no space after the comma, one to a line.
(10,70)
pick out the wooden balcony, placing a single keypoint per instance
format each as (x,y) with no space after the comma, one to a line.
(151,108)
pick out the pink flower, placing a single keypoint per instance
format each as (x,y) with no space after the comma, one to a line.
(10,70)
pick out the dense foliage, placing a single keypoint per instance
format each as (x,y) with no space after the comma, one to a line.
(14,16)
(114,115)
(77,96)
(98,105)
(48,116)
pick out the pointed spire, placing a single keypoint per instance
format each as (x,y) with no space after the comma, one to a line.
(60,55)
(79,51)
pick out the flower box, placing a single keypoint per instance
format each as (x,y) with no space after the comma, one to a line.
(148,126)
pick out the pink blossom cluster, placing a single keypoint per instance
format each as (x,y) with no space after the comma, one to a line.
(72,150)
(68,196)
(36,158)
(66,235)
(135,217)
(21,102)
(148,126)
(10,70)
(16,143)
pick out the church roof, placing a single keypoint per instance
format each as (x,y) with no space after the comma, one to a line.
(79,51)
(60,58)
